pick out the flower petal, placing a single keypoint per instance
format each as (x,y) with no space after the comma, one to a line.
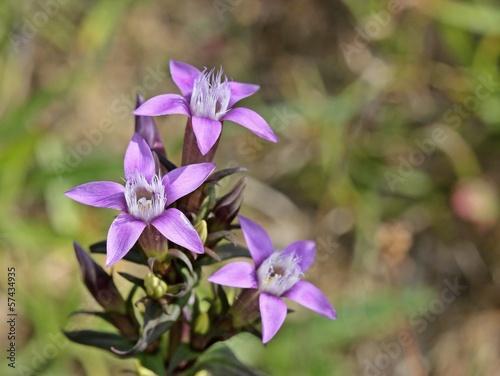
(207,132)
(240,90)
(252,121)
(101,194)
(273,312)
(258,242)
(236,274)
(183,75)
(138,157)
(122,235)
(146,127)
(311,297)
(175,226)
(306,250)
(186,179)
(164,104)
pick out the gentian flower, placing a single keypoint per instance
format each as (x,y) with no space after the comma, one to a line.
(144,201)
(207,98)
(276,275)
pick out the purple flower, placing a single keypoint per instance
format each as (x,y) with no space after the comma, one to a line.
(276,274)
(144,201)
(207,98)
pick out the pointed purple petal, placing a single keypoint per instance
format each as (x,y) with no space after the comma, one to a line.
(183,75)
(258,242)
(240,90)
(138,157)
(146,127)
(122,235)
(101,194)
(236,274)
(273,312)
(306,250)
(175,226)
(207,132)
(252,121)
(311,297)
(165,104)
(184,180)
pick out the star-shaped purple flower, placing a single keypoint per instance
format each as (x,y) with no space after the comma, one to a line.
(144,201)
(276,274)
(207,98)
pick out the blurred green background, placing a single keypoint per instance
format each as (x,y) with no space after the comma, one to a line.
(389,157)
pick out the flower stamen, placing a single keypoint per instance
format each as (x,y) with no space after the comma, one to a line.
(279,272)
(211,94)
(145,200)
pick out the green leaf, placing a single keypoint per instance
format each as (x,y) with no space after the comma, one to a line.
(218,359)
(216,176)
(183,353)
(156,322)
(135,280)
(136,254)
(101,340)
(225,252)
(175,253)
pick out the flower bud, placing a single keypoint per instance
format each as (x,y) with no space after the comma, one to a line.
(155,287)
(201,229)
(227,207)
(146,127)
(202,323)
(99,283)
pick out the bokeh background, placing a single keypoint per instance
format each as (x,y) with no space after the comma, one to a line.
(389,157)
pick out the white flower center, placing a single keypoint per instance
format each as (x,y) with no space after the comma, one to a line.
(279,272)
(211,94)
(145,200)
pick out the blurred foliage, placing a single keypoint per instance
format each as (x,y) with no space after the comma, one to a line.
(389,126)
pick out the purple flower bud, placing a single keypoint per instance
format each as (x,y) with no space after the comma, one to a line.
(99,283)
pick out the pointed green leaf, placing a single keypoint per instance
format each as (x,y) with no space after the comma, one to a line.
(218,359)
(101,340)
(136,254)
(156,322)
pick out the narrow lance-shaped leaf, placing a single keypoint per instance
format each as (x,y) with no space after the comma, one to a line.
(218,175)
(101,340)
(225,252)
(136,254)
(220,360)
